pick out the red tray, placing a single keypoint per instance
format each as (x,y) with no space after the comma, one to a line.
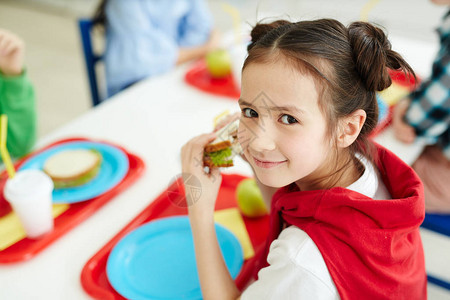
(93,275)
(199,77)
(407,81)
(75,214)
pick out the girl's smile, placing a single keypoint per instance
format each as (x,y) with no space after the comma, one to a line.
(265,164)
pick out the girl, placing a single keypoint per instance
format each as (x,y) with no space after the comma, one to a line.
(344,212)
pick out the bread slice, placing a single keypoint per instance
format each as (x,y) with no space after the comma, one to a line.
(71,168)
(217,146)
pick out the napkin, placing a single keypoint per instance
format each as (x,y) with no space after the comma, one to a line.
(11,230)
(232,220)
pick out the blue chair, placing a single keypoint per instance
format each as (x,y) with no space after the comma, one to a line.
(440,224)
(91,59)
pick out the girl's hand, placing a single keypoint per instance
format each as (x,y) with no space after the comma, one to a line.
(12,50)
(204,199)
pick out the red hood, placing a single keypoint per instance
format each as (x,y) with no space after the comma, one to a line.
(372,248)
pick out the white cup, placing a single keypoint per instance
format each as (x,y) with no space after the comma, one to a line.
(30,195)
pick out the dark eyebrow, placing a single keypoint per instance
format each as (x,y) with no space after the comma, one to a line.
(244,103)
(289,108)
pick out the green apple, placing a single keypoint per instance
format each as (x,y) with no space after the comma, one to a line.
(249,198)
(218,63)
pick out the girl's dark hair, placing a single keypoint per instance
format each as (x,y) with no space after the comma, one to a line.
(350,63)
(99,18)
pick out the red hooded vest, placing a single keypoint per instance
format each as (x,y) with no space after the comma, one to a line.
(372,248)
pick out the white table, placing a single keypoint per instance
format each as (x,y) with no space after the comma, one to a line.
(153,120)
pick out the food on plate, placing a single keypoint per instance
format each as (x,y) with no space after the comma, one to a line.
(249,199)
(221,151)
(218,63)
(71,168)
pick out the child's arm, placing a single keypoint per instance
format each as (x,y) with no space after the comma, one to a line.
(12,50)
(215,279)
(189,53)
(17,99)
(196,34)
(402,130)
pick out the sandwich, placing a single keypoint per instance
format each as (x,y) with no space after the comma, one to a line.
(72,168)
(221,151)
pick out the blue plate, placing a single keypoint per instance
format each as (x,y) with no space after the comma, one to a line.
(157,260)
(113,169)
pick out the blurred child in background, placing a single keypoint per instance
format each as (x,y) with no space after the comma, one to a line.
(425,113)
(146,38)
(17,98)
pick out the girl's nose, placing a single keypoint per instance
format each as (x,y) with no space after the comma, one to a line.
(262,142)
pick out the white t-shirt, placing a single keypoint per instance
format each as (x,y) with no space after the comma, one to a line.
(296,267)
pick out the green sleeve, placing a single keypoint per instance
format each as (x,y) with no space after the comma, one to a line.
(17,101)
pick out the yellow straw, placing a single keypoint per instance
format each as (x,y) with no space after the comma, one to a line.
(236,16)
(3,151)
(367,8)
(220,116)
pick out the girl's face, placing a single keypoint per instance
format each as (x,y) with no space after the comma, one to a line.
(282,129)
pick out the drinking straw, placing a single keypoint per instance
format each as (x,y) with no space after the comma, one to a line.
(3,151)
(367,8)
(236,17)
(219,117)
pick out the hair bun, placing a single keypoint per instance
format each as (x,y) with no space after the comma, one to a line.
(261,30)
(373,55)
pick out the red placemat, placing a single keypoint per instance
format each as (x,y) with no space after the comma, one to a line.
(199,77)
(75,214)
(93,276)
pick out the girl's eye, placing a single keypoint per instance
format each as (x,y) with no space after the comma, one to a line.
(287,119)
(249,113)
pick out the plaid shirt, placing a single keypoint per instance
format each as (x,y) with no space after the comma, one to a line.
(429,112)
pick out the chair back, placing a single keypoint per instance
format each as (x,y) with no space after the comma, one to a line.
(440,224)
(85,26)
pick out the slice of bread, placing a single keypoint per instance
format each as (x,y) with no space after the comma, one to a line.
(65,168)
(217,146)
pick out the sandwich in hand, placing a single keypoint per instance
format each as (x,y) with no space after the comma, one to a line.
(71,168)
(221,151)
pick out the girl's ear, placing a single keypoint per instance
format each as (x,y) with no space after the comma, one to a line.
(350,127)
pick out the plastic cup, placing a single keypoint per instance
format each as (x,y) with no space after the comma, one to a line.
(30,195)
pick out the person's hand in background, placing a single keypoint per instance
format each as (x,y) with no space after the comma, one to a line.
(213,41)
(190,53)
(12,50)
(402,130)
